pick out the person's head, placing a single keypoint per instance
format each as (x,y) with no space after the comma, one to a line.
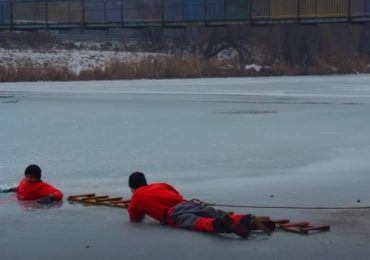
(136,180)
(32,173)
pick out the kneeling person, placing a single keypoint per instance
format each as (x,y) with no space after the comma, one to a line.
(31,187)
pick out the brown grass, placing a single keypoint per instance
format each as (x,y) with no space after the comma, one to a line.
(34,73)
(168,67)
(165,67)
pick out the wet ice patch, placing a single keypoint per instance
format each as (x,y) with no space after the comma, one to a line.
(248,111)
(34,205)
(8,99)
(10,200)
(7,199)
(347,164)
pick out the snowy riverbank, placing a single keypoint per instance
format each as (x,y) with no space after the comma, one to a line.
(76,60)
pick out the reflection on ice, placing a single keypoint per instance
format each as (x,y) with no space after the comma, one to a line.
(9,200)
(250,111)
(33,205)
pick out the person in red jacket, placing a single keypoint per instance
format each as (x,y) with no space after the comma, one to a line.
(165,204)
(31,187)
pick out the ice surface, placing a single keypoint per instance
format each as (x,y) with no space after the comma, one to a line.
(304,140)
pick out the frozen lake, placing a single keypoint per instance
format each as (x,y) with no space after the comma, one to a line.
(304,140)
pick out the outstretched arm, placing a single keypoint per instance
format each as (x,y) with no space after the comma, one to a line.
(8,188)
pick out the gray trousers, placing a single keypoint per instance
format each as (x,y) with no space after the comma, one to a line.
(185,214)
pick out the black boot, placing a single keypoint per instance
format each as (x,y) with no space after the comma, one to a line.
(223,224)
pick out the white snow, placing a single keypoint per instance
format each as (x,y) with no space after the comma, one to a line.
(332,68)
(255,67)
(227,54)
(76,60)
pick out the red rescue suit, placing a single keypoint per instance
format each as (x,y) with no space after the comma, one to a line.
(37,190)
(164,203)
(153,200)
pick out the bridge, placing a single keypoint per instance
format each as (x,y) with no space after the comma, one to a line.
(100,14)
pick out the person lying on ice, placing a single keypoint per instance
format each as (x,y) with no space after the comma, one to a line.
(165,204)
(31,187)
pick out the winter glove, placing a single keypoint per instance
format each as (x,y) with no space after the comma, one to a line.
(11,190)
(46,200)
(8,188)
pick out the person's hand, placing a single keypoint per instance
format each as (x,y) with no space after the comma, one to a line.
(9,190)
(46,200)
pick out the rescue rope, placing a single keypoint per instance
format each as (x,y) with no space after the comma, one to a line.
(278,207)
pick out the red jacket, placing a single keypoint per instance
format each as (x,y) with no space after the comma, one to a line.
(154,200)
(38,190)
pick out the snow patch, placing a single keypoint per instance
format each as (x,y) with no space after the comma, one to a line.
(332,68)
(227,54)
(255,67)
(75,60)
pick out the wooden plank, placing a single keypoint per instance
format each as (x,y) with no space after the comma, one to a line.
(104,200)
(295,224)
(317,228)
(109,199)
(81,195)
(121,201)
(303,227)
(280,221)
(295,230)
(96,197)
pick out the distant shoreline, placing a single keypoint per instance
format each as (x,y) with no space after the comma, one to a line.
(235,51)
(151,66)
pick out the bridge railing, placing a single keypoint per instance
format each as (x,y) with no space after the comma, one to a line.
(360,8)
(5,12)
(121,13)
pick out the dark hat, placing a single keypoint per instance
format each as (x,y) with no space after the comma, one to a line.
(136,180)
(33,170)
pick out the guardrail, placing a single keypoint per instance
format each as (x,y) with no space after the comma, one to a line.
(67,14)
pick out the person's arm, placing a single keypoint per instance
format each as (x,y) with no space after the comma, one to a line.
(46,200)
(172,189)
(57,194)
(50,194)
(9,188)
(134,211)
(14,189)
